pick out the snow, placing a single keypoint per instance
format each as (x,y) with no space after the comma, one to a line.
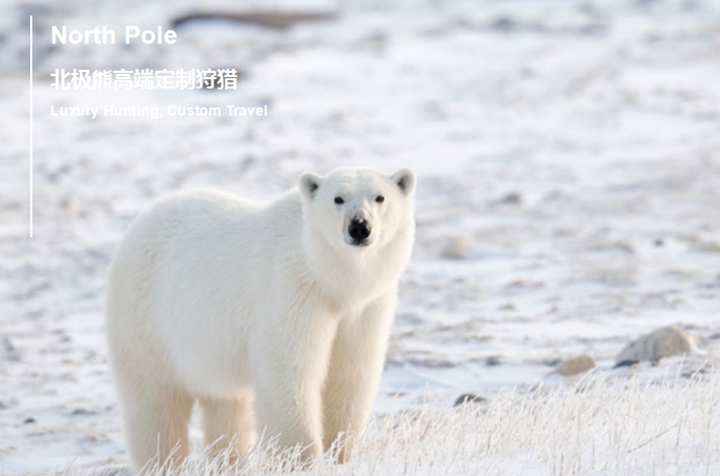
(602,119)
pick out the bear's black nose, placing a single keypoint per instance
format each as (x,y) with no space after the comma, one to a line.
(359,229)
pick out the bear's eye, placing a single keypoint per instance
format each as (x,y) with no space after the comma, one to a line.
(379,199)
(339,200)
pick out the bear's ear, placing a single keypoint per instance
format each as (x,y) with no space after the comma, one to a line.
(405,180)
(309,183)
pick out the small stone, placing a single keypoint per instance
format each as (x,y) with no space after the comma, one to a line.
(512,198)
(469,398)
(625,363)
(29,420)
(663,342)
(703,243)
(8,351)
(575,365)
(457,247)
(504,24)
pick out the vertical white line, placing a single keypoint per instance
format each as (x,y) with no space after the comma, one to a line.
(31,126)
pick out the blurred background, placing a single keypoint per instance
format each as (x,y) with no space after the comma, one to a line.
(568,157)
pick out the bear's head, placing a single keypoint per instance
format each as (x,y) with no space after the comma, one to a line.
(357,208)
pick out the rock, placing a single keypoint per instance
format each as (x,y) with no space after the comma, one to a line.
(663,342)
(278,20)
(469,398)
(575,365)
(457,247)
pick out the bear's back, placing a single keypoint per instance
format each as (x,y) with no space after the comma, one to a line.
(187,276)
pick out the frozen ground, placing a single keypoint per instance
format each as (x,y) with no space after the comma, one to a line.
(576,142)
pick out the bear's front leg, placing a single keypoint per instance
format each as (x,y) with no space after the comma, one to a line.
(291,368)
(356,365)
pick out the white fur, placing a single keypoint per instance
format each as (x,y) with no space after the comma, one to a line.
(217,299)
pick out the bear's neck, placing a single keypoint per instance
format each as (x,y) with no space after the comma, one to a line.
(362,274)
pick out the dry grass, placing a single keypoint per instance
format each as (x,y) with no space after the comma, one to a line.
(596,427)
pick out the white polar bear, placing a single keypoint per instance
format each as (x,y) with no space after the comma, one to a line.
(287,306)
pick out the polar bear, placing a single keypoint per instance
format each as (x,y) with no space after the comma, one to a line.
(275,318)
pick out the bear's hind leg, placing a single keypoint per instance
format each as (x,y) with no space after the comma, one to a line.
(156,422)
(228,422)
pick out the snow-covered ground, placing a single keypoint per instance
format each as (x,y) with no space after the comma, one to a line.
(576,143)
